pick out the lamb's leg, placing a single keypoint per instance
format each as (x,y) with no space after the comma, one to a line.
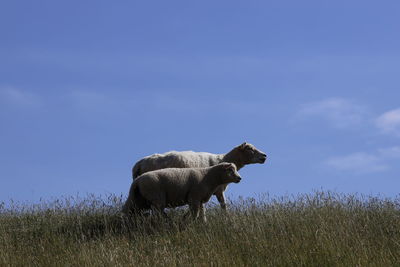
(221,199)
(194,209)
(157,209)
(126,214)
(158,205)
(203,213)
(128,207)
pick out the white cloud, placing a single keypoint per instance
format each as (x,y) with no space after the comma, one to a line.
(362,162)
(358,163)
(389,122)
(339,112)
(15,97)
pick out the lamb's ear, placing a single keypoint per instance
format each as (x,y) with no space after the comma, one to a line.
(242,146)
(233,166)
(228,165)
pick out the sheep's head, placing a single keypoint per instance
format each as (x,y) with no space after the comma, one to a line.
(250,154)
(230,174)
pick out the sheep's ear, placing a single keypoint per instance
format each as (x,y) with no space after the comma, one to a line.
(233,166)
(230,166)
(227,166)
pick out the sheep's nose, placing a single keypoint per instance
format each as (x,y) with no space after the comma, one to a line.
(263,158)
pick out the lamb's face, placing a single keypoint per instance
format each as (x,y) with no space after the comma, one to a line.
(251,154)
(230,174)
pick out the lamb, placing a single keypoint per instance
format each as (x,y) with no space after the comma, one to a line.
(241,155)
(173,187)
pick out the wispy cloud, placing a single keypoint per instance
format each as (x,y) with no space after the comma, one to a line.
(338,112)
(363,162)
(390,152)
(389,122)
(18,98)
(357,162)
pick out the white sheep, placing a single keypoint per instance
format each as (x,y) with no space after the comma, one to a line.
(241,155)
(173,187)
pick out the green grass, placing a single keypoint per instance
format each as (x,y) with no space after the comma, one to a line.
(321,229)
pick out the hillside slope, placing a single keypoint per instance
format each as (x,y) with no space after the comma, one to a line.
(320,229)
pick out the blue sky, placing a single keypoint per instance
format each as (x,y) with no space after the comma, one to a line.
(89,87)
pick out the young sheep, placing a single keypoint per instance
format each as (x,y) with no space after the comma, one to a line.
(173,187)
(241,155)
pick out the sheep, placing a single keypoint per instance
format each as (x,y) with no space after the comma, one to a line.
(241,155)
(174,187)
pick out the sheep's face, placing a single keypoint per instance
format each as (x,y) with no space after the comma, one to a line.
(230,174)
(251,154)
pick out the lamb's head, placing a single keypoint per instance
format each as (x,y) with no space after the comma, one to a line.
(250,154)
(230,174)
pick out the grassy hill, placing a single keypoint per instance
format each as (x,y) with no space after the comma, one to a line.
(321,229)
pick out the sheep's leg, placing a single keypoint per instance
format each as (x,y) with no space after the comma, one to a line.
(158,204)
(187,214)
(158,209)
(128,207)
(221,199)
(203,212)
(195,209)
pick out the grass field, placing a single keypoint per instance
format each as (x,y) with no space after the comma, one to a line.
(319,229)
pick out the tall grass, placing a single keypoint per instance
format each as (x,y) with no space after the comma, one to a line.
(319,229)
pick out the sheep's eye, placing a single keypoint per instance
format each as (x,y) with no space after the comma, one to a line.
(250,149)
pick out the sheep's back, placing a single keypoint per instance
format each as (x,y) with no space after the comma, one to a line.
(179,159)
